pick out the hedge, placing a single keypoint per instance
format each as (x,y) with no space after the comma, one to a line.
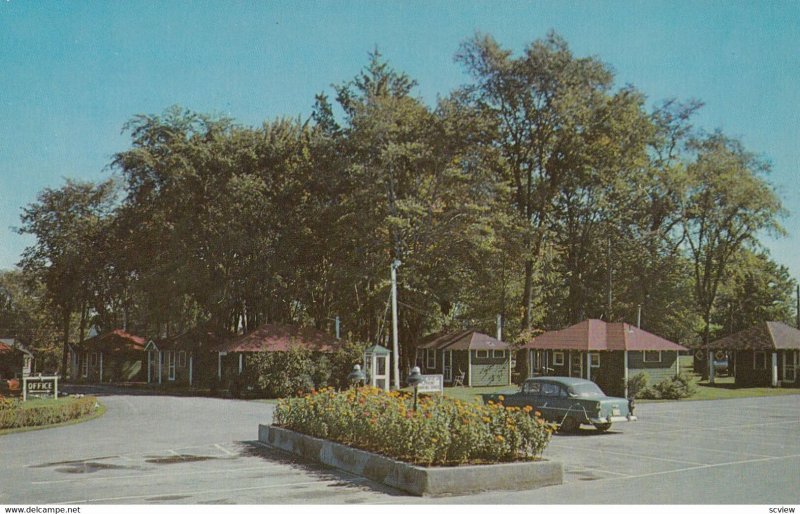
(15,414)
(442,431)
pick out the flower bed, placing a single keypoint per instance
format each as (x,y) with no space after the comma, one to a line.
(17,414)
(441,431)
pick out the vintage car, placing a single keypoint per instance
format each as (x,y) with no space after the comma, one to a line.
(569,402)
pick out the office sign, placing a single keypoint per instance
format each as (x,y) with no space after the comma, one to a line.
(39,387)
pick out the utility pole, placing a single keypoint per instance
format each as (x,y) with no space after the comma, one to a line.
(395,349)
(610,278)
(499,327)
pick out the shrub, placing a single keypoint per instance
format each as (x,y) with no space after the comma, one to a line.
(441,431)
(637,385)
(675,388)
(16,414)
(278,374)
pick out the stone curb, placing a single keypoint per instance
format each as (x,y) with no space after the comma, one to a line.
(416,480)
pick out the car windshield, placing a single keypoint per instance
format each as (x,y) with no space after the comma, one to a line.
(588,390)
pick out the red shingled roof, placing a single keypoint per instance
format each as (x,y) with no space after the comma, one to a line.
(597,335)
(768,335)
(279,338)
(464,340)
(197,338)
(116,340)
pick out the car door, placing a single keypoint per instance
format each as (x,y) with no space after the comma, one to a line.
(543,397)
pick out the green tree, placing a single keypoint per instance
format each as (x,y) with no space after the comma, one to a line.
(68,224)
(725,204)
(547,112)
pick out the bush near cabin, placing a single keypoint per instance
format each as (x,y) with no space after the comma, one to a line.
(297,371)
(675,388)
(442,431)
(15,413)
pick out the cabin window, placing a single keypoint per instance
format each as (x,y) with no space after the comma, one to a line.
(482,354)
(594,360)
(498,353)
(181,359)
(85,365)
(171,364)
(652,356)
(558,358)
(760,360)
(430,359)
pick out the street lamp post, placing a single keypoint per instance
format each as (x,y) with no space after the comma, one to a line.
(414,379)
(356,375)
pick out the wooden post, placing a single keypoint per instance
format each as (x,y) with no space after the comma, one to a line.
(774,369)
(588,365)
(191,357)
(469,367)
(625,373)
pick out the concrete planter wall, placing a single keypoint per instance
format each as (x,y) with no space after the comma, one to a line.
(415,479)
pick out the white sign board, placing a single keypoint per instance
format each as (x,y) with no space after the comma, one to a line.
(431,384)
(39,387)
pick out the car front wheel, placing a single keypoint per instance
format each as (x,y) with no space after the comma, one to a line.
(602,427)
(568,425)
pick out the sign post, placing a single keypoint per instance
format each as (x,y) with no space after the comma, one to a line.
(39,386)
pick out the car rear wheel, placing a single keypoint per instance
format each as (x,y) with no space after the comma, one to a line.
(568,425)
(602,427)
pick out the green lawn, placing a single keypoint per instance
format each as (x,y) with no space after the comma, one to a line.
(724,388)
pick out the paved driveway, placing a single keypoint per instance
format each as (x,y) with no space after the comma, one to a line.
(163,449)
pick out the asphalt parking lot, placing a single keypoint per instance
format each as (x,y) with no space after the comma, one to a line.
(173,450)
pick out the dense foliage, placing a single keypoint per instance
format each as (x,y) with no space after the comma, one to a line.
(16,414)
(674,388)
(441,431)
(538,190)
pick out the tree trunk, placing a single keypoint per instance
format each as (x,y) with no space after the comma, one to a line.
(527,296)
(65,349)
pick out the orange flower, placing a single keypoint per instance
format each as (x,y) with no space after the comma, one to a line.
(527,408)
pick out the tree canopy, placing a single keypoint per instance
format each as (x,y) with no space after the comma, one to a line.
(539,190)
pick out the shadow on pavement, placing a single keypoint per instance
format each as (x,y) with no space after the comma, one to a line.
(135,390)
(343,479)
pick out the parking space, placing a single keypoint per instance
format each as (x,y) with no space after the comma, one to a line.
(674,440)
(160,449)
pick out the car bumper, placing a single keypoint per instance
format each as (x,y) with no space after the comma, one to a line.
(614,419)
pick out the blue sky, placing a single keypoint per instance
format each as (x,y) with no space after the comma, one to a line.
(72,73)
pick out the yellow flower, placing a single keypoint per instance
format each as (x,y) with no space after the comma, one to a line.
(501,397)
(528,408)
(486,419)
(500,438)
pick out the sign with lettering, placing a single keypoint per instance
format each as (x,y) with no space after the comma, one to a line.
(39,387)
(431,384)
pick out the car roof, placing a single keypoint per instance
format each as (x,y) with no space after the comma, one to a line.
(567,381)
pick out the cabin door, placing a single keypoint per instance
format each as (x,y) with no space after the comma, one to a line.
(576,368)
(447,365)
(791,361)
